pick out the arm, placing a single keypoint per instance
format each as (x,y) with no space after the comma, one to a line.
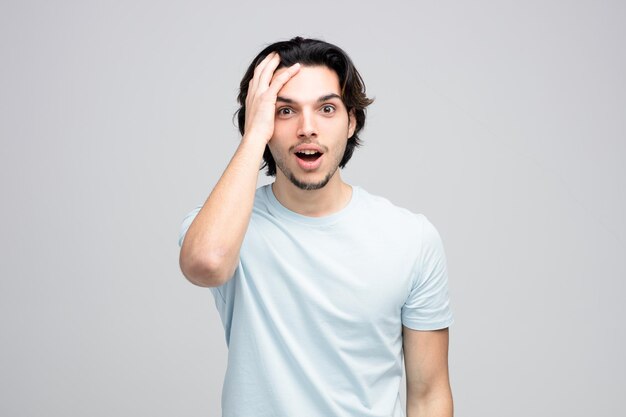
(428,392)
(210,251)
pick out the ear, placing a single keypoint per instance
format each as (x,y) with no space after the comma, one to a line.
(351,123)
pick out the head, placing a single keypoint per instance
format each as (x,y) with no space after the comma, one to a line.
(313,53)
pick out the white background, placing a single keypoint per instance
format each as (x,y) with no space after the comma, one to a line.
(504,122)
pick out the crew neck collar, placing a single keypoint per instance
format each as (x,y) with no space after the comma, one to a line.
(284,212)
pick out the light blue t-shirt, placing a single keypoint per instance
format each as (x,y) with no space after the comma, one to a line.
(313,314)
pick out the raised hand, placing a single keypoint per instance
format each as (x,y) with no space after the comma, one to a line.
(261,98)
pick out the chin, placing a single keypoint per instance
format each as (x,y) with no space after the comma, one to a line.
(309,185)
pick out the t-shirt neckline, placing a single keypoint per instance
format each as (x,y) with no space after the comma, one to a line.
(308,220)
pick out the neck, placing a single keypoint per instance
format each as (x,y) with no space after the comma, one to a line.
(325,201)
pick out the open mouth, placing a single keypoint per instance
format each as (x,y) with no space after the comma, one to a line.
(308,156)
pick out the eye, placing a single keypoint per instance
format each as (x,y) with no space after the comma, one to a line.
(328,109)
(284,111)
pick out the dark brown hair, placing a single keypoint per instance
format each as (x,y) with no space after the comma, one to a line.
(312,52)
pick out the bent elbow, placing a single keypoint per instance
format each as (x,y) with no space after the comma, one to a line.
(205,272)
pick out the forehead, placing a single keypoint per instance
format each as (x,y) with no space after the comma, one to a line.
(310,83)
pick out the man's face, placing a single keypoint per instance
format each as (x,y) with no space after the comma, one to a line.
(310,119)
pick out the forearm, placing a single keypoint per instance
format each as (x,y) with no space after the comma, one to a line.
(435,403)
(210,250)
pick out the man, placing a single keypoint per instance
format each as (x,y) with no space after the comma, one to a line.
(322,288)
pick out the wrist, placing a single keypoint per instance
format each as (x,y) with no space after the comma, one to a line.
(255,138)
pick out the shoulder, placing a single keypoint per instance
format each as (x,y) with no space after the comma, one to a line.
(261,198)
(416,226)
(383,208)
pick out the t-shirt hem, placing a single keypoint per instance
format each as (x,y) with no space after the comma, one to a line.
(429,326)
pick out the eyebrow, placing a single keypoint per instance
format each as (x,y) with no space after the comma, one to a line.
(319,100)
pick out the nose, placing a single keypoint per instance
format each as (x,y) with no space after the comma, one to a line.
(306,125)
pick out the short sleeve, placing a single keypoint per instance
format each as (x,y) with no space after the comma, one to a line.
(186,223)
(428,305)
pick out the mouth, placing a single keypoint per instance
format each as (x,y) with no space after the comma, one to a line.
(309,160)
(308,156)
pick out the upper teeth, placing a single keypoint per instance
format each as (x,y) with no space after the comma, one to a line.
(308,151)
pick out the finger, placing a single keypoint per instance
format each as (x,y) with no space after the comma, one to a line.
(259,68)
(280,80)
(262,64)
(254,82)
(268,72)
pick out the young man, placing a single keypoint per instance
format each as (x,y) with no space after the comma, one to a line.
(322,288)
